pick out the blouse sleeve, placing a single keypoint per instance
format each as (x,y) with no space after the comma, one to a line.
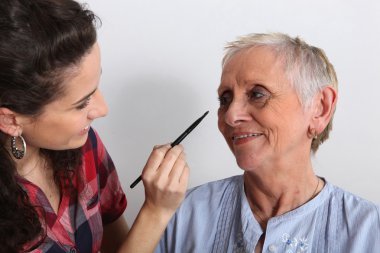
(113,201)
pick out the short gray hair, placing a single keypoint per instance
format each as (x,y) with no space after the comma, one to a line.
(306,66)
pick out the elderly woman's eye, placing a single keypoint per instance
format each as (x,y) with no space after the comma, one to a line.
(258,94)
(224,99)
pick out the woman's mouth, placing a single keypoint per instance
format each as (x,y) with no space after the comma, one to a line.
(85,130)
(243,138)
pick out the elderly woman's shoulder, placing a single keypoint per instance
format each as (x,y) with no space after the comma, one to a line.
(214,190)
(353,205)
(233,181)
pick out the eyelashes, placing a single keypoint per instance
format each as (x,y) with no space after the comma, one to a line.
(85,103)
(257,95)
(225,99)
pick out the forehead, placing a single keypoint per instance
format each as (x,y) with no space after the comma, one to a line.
(256,64)
(79,80)
(85,74)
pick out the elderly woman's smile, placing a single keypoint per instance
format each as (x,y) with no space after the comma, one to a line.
(240,138)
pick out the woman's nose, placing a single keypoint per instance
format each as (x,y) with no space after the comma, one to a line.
(237,112)
(99,108)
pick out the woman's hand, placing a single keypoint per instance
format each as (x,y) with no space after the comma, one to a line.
(165,177)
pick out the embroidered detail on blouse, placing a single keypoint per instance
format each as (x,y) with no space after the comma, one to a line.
(239,245)
(295,245)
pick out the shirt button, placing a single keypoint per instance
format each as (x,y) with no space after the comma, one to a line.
(272,248)
(73,250)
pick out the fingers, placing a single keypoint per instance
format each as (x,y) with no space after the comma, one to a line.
(155,159)
(183,178)
(165,177)
(179,168)
(174,159)
(165,163)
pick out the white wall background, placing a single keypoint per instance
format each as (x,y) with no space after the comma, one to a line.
(161,69)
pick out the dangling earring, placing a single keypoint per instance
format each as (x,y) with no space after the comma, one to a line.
(17,153)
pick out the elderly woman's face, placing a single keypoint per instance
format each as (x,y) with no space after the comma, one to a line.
(260,115)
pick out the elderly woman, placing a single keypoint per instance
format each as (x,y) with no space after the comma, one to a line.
(277,99)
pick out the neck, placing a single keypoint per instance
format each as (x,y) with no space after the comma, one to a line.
(279,191)
(30,162)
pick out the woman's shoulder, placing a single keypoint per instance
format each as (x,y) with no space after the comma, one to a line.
(353,207)
(356,219)
(214,187)
(212,193)
(199,212)
(351,200)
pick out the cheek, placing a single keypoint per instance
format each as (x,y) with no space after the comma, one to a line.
(221,123)
(223,129)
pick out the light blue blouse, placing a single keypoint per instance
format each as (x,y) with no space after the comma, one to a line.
(216,217)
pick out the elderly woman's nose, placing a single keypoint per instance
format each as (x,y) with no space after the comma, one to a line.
(236,113)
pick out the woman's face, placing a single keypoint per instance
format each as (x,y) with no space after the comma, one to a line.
(260,115)
(65,122)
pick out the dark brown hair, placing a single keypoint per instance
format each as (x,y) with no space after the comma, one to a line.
(40,40)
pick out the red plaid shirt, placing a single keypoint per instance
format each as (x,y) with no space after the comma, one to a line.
(78,225)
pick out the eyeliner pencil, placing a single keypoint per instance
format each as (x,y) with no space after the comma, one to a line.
(177,141)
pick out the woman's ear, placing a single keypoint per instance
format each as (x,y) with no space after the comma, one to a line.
(324,108)
(8,122)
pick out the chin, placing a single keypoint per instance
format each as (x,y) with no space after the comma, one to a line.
(243,164)
(79,142)
(83,141)
(246,163)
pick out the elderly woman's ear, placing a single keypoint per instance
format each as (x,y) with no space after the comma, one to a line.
(324,107)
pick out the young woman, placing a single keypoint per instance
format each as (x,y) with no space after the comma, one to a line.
(59,190)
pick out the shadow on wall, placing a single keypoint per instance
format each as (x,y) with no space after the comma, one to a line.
(145,111)
(151,111)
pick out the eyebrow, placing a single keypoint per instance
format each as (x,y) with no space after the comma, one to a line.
(85,97)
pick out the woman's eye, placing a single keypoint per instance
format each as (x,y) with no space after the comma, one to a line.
(258,94)
(84,104)
(225,99)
